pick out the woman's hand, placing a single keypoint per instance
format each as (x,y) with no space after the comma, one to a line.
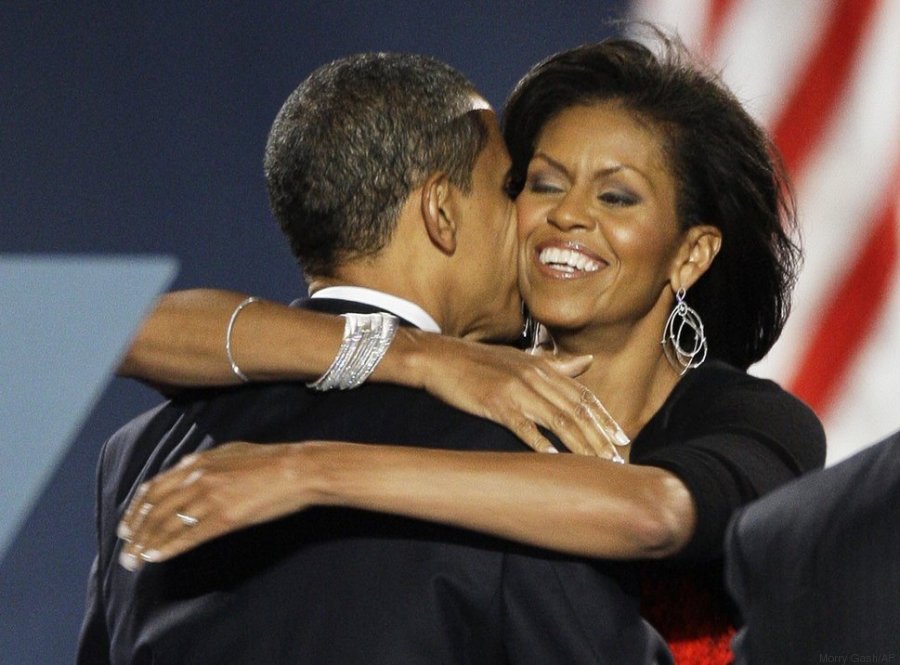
(181,344)
(521,392)
(627,512)
(210,494)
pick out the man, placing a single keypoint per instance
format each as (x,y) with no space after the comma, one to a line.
(387,174)
(815,566)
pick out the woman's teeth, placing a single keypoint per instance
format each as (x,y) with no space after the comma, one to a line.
(567,260)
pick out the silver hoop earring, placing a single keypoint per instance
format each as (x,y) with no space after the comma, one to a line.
(541,339)
(529,330)
(537,337)
(683,339)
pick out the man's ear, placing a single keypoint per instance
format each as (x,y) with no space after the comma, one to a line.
(698,251)
(436,212)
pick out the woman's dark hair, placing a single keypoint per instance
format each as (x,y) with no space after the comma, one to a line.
(728,174)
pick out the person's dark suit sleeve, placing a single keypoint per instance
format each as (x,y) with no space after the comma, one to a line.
(815,566)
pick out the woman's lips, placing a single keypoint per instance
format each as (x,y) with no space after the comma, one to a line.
(566,260)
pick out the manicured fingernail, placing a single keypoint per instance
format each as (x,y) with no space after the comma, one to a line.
(622,438)
(552,449)
(128,561)
(150,555)
(123,532)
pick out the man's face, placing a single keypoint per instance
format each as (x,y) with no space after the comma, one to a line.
(489,241)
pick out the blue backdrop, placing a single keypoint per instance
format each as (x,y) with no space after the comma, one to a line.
(136,130)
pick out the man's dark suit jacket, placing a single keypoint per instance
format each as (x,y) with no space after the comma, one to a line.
(815,566)
(336,585)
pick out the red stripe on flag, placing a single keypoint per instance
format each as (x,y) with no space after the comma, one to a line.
(851,314)
(715,19)
(815,99)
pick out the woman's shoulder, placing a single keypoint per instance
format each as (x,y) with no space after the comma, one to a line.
(730,437)
(716,385)
(717,374)
(722,401)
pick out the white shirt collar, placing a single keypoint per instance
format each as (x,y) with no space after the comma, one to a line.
(403,308)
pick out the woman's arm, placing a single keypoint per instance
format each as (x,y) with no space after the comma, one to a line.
(182,343)
(568,503)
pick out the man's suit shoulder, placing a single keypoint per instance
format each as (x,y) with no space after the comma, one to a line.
(264,413)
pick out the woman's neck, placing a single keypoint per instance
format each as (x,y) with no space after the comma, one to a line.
(630,373)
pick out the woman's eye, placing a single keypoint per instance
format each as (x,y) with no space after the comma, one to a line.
(543,187)
(616,198)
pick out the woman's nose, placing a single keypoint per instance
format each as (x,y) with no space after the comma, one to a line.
(572,212)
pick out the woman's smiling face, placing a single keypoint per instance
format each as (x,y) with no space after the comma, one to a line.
(598,233)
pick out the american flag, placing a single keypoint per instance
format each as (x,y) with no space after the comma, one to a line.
(823,76)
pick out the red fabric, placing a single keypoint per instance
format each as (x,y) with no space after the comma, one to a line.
(692,613)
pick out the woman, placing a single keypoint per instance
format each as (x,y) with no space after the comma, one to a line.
(642,186)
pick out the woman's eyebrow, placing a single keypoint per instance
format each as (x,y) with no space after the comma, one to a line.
(599,173)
